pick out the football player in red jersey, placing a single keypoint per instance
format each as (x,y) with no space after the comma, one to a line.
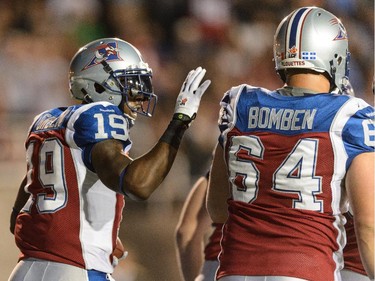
(277,179)
(68,210)
(197,238)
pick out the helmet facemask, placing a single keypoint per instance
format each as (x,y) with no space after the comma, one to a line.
(135,85)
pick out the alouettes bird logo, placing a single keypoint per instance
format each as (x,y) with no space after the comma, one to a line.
(106,51)
(342,34)
(292,52)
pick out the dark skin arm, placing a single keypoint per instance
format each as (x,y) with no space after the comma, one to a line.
(21,200)
(143,174)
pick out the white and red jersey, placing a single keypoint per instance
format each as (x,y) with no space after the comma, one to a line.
(71,217)
(286,158)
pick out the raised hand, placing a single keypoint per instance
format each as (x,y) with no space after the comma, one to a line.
(190,95)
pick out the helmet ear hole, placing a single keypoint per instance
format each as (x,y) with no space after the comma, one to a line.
(339,60)
(99,88)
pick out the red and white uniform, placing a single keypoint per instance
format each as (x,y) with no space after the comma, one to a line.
(286,158)
(71,217)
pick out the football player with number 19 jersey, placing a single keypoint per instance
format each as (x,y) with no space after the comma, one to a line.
(68,210)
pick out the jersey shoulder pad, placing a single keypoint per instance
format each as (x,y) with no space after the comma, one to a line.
(53,119)
(229,103)
(359,130)
(94,122)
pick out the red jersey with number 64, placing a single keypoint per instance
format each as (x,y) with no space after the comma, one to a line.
(287,157)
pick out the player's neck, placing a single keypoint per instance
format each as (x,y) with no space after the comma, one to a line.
(315,82)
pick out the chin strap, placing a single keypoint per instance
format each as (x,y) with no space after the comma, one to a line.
(107,68)
(348,88)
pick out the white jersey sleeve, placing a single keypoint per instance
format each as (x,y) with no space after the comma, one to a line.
(228,107)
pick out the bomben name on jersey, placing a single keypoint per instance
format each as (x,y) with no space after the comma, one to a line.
(281,119)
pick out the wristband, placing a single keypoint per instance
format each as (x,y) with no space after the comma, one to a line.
(184,118)
(176,129)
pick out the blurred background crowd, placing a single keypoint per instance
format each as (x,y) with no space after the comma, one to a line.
(232,39)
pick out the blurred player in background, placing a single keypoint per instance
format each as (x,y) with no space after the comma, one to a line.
(68,210)
(197,238)
(287,154)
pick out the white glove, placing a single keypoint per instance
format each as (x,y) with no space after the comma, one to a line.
(190,95)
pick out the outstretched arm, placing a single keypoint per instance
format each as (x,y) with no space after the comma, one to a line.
(136,178)
(360,188)
(139,178)
(193,225)
(218,188)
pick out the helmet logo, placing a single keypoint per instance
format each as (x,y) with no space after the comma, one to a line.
(342,34)
(107,52)
(292,52)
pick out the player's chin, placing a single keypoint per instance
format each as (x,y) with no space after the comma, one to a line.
(131,113)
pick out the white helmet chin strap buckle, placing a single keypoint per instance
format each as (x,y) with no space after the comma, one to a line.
(347,88)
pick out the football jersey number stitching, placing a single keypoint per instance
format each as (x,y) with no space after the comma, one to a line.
(114,121)
(243,172)
(51,177)
(296,174)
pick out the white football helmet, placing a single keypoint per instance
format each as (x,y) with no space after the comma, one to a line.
(313,38)
(112,70)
